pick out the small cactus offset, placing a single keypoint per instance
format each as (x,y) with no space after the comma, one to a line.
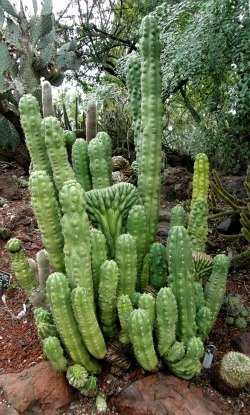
(178,216)
(44,323)
(54,352)
(234,371)
(77,376)
(23,272)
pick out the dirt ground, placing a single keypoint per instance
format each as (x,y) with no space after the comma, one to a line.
(20,347)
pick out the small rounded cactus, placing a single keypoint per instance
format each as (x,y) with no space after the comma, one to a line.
(77,376)
(234,371)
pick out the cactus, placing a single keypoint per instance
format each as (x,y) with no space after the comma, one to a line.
(59,298)
(75,229)
(124,307)
(87,323)
(48,110)
(202,264)
(23,272)
(80,162)
(48,215)
(190,364)
(197,224)
(166,320)
(143,280)
(147,302)
(108,297)
(178,216)
(54,352)
(77,376)
(234,370)
(136,225)
(101,403)
(44,323)
(99,163)
(157,265)
(98,256)
(238,314)
(149,179)
(106,140)
(140,335)
(90,387)
(43,265)
(126,260)
(200,178)
(31,123)
(91,122)
(133,73)
(109,208)
(54,139)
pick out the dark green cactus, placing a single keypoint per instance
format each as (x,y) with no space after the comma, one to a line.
(157,265)
(178,216)
(80,162)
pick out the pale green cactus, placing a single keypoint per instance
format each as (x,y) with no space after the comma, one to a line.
(136,225)
(198,225)
(157,265)
(77,376)
(166,320)
(80,163)
(133,74)
(98,256)
(98,164)
(124,307)
(44,323)
(54,352)
(234,370)
(200,178)
(178,216)
(126,260)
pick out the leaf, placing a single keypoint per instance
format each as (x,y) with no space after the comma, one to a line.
(8,8)
(47,7)
(35,8)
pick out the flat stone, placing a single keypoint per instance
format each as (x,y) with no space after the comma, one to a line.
(162,394)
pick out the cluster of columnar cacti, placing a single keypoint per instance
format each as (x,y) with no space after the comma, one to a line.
(100,242)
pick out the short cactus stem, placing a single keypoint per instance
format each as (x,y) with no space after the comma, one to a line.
(20,263)
(77,376)
(200,178)
(48,216)
(87,323)
(178,216)
(150,161)
(190,364)
(43,265)
(108,297)
(54,352)
(140,335)
(59,297)
(143,279)
(124,307)
(75,228)
(31,122)
(80,162)
(98,164)
(54,139)
(147,302)
(198,225)
(126,260)
(44,323)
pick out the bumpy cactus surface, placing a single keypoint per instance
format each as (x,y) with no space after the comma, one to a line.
(77,376)
(80,162)
(198,224)
(54,352)
(200,178)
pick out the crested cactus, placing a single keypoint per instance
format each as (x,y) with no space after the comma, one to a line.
(23,272)
(202,264)
(157,265)
(234,371)
(200,178)
(59,298)
(126,260)
(149,179)
(54,352)
(80,162)
(140,335)
(48,215)
(109,208)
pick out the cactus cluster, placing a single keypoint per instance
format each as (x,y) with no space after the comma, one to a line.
(100,243)
(237,313)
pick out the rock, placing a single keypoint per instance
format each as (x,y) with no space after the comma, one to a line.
(176,184)
(163,230)
(23,217)
(161,394)
(235,186)
(7,410)
(229,226)
(38,389)
(242,343)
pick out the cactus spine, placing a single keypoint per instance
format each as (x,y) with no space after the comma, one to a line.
(149,179)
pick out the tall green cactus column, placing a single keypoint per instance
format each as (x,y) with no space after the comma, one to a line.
(149,179)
